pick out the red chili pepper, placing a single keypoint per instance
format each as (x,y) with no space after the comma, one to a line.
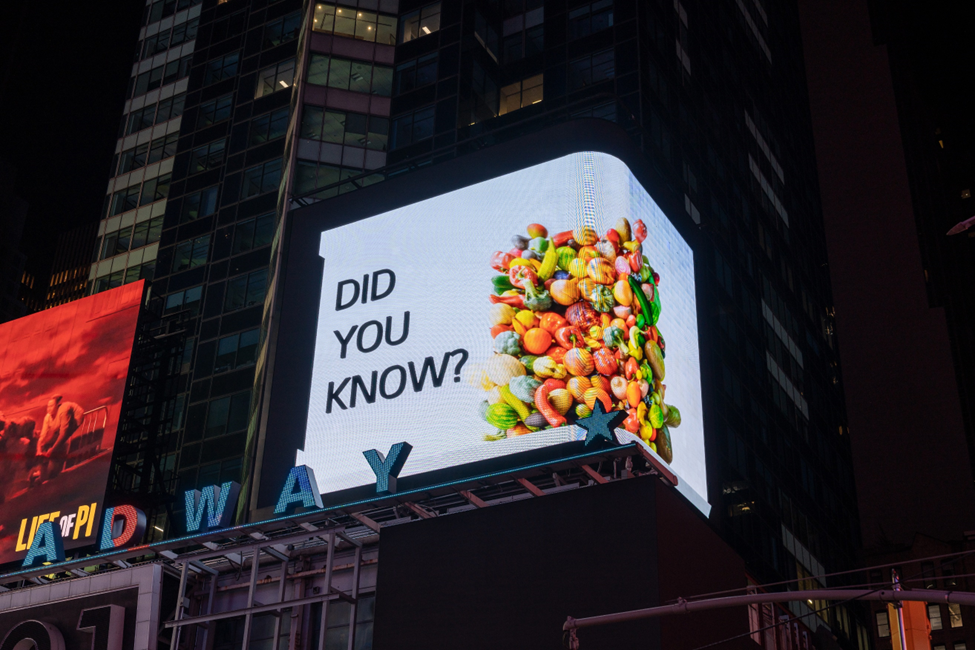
(606,364)
(639,230)
(632,422)
(499,261)
(551,321)
(562,238)
(569,337)
(521,274)
(631,367)
(557,353)
(497,329)
(544,407)
(635,260)
(515,301)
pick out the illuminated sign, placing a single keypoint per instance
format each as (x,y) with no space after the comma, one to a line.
(62,378)
(492,319)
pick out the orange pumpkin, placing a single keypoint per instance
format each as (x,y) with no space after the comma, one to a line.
(550,321)
(599,382)
(578,361)
(591,395)
(537,341)
(578,386)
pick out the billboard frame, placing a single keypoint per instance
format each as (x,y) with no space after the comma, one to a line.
(286,394)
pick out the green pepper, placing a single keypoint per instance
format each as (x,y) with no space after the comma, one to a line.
(649,316)
(501,284)
(646,371)
(646,271)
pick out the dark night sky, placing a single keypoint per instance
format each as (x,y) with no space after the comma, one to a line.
(64,70)
(65,66)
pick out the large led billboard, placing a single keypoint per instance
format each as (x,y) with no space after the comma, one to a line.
(62,378)
(485,321)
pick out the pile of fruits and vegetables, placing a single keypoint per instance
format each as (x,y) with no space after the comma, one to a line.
(574,320)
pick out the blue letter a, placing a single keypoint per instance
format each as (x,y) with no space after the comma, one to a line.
(46,547)
(307,494)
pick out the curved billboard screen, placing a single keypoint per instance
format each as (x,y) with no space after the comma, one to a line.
(487,320)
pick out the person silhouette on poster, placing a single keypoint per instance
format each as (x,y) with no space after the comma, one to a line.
(17,449)
(60,423)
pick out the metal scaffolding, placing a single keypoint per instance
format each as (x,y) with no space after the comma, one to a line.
(206,575)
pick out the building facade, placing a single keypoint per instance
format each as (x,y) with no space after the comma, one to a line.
(72,265)
(927,563)
(244,110)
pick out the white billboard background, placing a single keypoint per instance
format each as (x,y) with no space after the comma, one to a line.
(439,250)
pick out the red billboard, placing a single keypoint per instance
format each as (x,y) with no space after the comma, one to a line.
(62,378)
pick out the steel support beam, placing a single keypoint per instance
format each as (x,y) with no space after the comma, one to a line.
(687,607)
(531,487)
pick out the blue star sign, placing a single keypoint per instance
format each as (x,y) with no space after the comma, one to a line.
(601,424)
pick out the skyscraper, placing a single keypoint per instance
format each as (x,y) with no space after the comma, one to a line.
(242,111)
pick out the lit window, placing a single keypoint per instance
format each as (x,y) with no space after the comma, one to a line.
(422,22)
(954,615)
(521,94)
(277,77)
(883,624)
(934,615)
(355,23)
